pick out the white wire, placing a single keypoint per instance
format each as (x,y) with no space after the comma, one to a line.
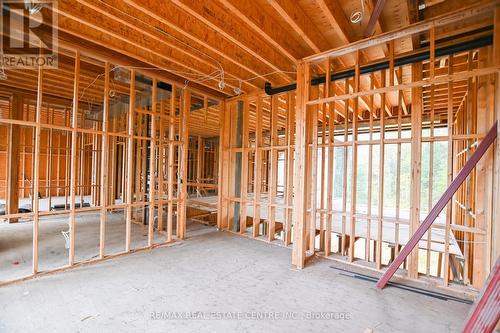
(170,70)
(208,77)
(261,76)
(357,16)
(165,33)
(96,78)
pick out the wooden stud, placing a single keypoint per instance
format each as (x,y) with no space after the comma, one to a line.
(171,156)
(331,171)
(484,177)
(244,167)
(378,250)
(161,165)
(13,156)
(273,176)
(152,164)
(181,209)
(495,232)
(299,202)
(354,153)
(130,168)
(449,211)
(74,137)
(257,168)
(104,163)
(289,167)
(312,161)
(416,152)
(36,169)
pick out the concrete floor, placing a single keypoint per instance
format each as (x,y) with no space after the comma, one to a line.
(16,241)
(216,272)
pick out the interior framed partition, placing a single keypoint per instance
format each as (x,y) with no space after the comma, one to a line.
(256,157)
(94,162)
(377,143)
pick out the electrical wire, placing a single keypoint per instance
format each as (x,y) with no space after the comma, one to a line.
(357,16)
(201,77)
(166,34)
(222,73)
(262,76)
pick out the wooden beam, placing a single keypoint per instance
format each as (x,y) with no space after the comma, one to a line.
(496,181)
(98,51)
(442,79)
(13,156)
(445,19)
(312,171)
(416,161)
(439,206)
(104,162)
(74,136)
(331,150)
(130,161)
(36,169)
(266,26)
(334,12)
(199,162)
(127,43)
(220,171)
(300,172)
(183,164)
(244,164)
(449,212)
(172,17)
(370,28)
(289,167)
(171,162)
(301,23)
(219,21)
(273,169)
(381,176)
(176,50)
(354,160)
(257,167)
(152,163)
(484,175)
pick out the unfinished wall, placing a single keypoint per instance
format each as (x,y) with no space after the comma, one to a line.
(360,160)
(405,132)
(257,157)
(106,149)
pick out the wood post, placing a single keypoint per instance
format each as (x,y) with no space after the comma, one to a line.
(416,153)
(152,163)
(244,166)
(104,163)
(484,176)
(273,169)
(171,156)
(299,201)
(181,208)
(130,162)
(257,168)
(496,179)
(74,134)
(36,169)
(13,156)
